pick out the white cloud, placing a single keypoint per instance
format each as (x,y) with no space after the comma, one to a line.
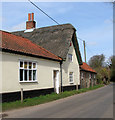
(54,9)
(108,21)
(99,39)
(18,27)
(93,43)
(103,32)
(64,10)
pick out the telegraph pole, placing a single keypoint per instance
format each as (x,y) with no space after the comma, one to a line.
(84,51)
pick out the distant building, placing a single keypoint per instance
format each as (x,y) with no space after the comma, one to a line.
(87,76)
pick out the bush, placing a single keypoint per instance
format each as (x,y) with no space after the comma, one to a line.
(99,81)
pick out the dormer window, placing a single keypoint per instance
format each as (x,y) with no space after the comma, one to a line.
(70,58)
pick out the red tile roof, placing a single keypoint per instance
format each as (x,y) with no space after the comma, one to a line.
(86,67)
(23,45)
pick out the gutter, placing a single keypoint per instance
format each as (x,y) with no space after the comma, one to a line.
(28,54)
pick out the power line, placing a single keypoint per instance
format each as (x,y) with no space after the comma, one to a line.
(89,49)
(44,12)
(80,39)
(48,15)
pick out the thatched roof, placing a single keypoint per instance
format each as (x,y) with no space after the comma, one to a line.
(55,39)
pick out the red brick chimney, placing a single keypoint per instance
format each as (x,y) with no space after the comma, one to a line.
(30,23)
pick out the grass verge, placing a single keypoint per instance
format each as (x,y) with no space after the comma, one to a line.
(44,98)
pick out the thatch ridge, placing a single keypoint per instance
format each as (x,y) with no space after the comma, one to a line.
(55,39)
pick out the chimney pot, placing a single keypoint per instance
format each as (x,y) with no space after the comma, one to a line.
(30,23)
(29,16)
(32,16)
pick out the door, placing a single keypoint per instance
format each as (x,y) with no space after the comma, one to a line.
(56,81)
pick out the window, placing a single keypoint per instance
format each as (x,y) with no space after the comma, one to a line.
(27,71)
(70,57)
(71,77)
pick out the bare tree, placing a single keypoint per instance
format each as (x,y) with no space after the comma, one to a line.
(97,61)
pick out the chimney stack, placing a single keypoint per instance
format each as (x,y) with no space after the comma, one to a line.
(30,24)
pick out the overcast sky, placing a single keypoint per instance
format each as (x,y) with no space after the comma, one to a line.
(92,20)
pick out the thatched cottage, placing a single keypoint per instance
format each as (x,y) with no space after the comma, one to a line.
(60,40)
(52,64)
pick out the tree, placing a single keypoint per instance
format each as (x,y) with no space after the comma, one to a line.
(111,61)
(111,65)
(97,62)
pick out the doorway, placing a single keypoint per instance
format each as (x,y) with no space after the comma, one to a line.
(56,80)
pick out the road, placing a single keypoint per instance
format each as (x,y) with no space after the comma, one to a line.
(93,104)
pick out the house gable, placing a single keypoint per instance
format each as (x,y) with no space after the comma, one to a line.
(76,47)
(71,66)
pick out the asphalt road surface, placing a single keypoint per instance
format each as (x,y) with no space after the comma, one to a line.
(93,104)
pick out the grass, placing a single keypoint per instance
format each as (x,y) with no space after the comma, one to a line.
(44,98)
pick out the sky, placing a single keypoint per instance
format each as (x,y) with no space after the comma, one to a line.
(93,21)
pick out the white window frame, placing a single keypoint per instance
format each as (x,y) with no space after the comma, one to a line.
(28,70)
(71,57)
(72,76)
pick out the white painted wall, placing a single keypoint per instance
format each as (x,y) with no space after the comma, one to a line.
(10,73)
(71,67)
